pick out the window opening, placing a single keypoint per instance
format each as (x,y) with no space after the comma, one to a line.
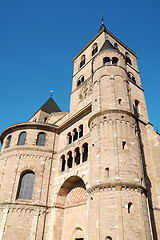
(95,49)
(85,152)
(116,46)
(136,107)
(81,131)
(83,60)
(8,141)
(41,139)
(82,79)
(78,83)
(22,138)
(108,238)
(69,138)
(120,101)
(106,61)
(128,60)
(45,119)
(129,207)
(123,144)
(77,157)
(63,163)
(26,185)
(75,136)
(107,171)
(70,159)
(114,61)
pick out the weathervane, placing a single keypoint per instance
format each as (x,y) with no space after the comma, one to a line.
(51,92)
(102,18)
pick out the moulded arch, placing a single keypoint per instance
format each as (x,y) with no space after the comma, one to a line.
(69,184)
(77,233)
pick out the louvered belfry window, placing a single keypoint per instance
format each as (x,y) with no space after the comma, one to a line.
(26,185)
(41,139)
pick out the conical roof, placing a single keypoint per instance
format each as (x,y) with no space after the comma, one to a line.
(107,45)
(50,106)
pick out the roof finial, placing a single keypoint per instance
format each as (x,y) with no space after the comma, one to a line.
(51,92)
(102,18)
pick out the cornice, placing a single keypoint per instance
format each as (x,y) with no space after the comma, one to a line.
(46,126)
(117,186)
(113,111)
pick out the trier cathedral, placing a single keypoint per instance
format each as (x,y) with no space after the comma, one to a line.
(92,173)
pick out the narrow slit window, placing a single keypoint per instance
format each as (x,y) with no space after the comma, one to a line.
(63,163)
(70,160)
(107,171)
(129,207)
(77,156)
(123,145)
(80,131)
(8,141)
(75,136)
(85,152)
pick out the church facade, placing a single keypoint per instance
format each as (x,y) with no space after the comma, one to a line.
(92,173)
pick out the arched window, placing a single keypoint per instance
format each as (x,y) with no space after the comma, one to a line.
(41,139)
(45,119)
(77,156)
(78,83)
(69,136)
(129,207)
(128,60)
(8,141)
(116,46)
(107,171)
(136,107)
(131,77)
(95,49)
(26,185)
(70,159)
(81,80)
(75,136)
(80,131)
(63,163)
(22,138)
(108,238)
(83,60)
(114,61)
(85,152)
(106,61)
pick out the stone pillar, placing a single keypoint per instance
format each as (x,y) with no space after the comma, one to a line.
(66,167)
(81,155)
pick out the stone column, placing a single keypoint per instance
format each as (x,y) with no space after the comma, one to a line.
(66,162)
(81,155)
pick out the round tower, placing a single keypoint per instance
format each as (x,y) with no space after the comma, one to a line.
(117,191)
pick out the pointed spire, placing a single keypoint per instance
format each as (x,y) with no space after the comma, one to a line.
(102,28)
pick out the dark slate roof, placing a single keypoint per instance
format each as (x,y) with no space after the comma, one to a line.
(102,28)
(107,45)
(50,106)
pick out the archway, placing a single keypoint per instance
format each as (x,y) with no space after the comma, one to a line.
(71,213)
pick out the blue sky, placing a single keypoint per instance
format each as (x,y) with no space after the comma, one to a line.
(39,39)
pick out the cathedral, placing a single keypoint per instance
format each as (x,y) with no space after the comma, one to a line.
(92,173)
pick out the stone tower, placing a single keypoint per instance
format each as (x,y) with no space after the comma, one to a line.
(92,172)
